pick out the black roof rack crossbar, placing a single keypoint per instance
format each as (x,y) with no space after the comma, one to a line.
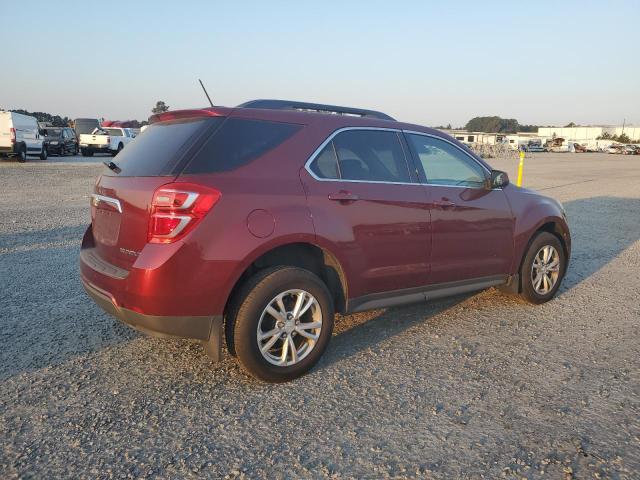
(313,107)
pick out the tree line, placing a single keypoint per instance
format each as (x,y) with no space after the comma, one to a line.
(60,121)
(496,124)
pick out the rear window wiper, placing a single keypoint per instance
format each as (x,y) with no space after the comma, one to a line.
(112,166)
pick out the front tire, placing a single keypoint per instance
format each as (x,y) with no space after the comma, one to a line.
(43,153)
(543,268)
(283,323)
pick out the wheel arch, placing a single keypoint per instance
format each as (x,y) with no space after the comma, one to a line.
(557,228)
(307,255)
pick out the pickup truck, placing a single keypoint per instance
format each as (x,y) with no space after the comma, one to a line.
(105,140)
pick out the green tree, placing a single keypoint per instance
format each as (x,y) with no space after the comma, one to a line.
(160,107)
(570,125)
(624,138)
(493,124)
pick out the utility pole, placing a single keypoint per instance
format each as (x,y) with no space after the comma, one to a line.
(624,121)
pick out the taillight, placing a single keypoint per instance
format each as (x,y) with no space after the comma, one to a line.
(178,207)
(108,139)
(12,132)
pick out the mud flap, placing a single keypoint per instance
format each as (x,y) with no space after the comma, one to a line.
(512,286)
(213,346)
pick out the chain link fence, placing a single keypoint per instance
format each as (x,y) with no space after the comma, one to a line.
(499,150)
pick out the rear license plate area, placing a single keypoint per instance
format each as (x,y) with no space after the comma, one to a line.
(106,226)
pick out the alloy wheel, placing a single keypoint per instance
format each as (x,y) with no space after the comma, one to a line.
(545,270)
(289,327)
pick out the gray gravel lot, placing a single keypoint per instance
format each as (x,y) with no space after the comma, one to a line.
(482,386)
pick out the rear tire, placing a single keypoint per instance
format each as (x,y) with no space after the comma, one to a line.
(86,153)
(292,343)
(120,147)
(543,268)
(22,154)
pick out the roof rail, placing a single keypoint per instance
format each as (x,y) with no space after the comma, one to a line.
(313,107)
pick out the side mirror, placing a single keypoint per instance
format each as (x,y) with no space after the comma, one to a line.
(499,179)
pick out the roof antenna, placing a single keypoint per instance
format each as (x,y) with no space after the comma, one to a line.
(205,92)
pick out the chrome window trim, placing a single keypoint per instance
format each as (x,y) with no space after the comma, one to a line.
(307,165)
(96,199)
(316,152)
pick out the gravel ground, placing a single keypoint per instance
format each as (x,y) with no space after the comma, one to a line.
(482,386)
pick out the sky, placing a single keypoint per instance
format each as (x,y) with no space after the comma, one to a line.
(432,63)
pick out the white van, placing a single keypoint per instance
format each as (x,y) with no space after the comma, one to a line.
(20,136)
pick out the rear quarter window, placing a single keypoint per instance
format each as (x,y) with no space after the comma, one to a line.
(238,142)
(161,146)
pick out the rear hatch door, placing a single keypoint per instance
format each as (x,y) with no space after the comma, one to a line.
(120,205)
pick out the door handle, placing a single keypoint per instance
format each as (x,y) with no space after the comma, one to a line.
(444,203)
(343,196)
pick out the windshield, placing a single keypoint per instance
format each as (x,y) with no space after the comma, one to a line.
(53,132)
(114,132)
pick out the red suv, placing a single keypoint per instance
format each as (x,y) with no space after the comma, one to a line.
(256,224)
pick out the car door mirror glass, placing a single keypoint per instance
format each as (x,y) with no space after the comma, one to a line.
(499,179)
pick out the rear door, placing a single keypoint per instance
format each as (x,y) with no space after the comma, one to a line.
(365,202)
(5,131)
(472,224)
(31,133)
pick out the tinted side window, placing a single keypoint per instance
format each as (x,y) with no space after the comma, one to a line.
(325,164)
(371,155)
(444,164)
(159,148)
(238,142)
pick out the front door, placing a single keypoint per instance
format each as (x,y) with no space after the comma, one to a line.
(368,207)
(472,224)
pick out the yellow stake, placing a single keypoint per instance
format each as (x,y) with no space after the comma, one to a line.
(520,168)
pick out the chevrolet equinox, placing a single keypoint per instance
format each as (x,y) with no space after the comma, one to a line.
(254,225)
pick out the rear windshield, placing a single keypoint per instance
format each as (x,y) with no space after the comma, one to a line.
(85,125)
(159,148)
(238,142)
(51,132)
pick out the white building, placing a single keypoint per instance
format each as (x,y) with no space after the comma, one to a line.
(514,140)
(587,135)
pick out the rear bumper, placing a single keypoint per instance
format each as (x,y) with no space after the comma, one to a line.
(95,148)
(132,296)
(197,328)
(8,150)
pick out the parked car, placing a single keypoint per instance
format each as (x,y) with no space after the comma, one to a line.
(109,140)
(256,224)
(60,140)
(579,148)
(20,136)
(629,149)
(535,148)
(616,149)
